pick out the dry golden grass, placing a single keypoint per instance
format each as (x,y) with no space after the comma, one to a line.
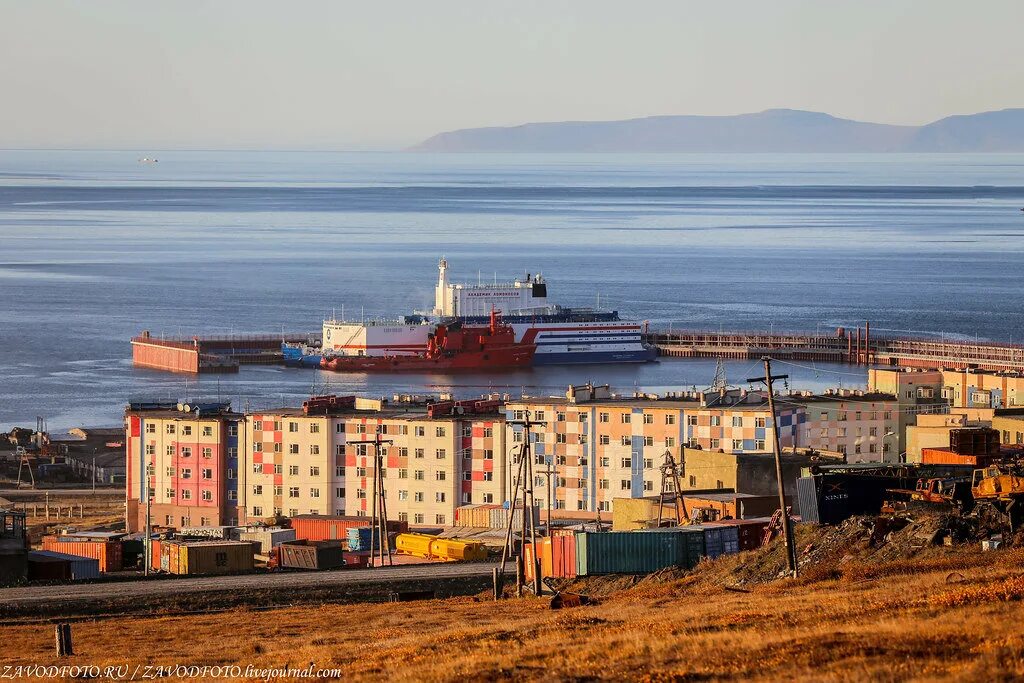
(946,618)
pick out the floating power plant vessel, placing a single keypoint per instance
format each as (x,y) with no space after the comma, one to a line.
(553,334)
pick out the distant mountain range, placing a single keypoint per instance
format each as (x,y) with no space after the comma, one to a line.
(774,130)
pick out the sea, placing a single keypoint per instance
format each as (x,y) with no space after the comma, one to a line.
(96,246)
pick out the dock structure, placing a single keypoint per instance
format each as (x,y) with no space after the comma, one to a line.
(196,355)
(855,347)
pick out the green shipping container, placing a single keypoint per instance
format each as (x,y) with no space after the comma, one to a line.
(628,552)
(693,539)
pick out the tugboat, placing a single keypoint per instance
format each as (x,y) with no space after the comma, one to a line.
(450,347)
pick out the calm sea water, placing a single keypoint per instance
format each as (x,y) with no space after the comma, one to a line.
(95,246)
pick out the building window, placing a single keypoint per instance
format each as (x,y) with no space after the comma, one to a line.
(170,428)
(648,463)
(737,421)
(693,480)
(737,444)
(626,418)
(758,444)
(293,492)
(627,463)
(186,452)
(538,438)
(670,441)
(716,420)
(403,473)
(440,475)
(488,454)
(231,473)
(314,428)
(207,495)
(257,447)
(648,440)
(559,438)
(150,449)
(759,422)
(439,497)
(293,427)
(627,441)
(417,519)
(257,425)
(257,468)
(670,419)
(418,496)
(293,448)
(314,493)
(232,429)
(625,485)
(691,420)
(207,473)
(716,443)
(604,440)
(606,462)
(186,473)
(314,471)
(648,486)
(207,431)
(439,431)
(257,490)
(602,417)
(186,494)
(440,454)
(360,493)
(418,453)
(150,428)
(278,490)
(278,446)
(257,511)
(421,431)
(207,452)
(648,418)
(418,475)
(293,470)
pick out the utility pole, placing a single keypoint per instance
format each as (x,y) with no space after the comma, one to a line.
(548,473)
(523,492)
(786,522)
(379,507)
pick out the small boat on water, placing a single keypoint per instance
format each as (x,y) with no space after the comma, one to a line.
(450,347)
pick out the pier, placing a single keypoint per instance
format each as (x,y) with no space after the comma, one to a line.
(855,347)
(199,355)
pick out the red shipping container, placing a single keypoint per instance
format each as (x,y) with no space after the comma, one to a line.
(945,456)
(335,528)
(108,553)
(563,556)
(356,560)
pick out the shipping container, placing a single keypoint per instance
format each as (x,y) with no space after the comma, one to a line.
(356,560)
(318,555)
(266,538)
(48,565)
(360,538)
(434,548)
(208,557)
(563,556)
(107,552)
(730,536)
(335,528)
(92,536)
(807,498)
(462,514)
(750,532)
(627,552)
(946,456)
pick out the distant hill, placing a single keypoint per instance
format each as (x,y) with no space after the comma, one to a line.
(774,130)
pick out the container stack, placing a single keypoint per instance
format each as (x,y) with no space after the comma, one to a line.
(107,552)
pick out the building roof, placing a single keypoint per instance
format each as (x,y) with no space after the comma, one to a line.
(839,398)
(621,401)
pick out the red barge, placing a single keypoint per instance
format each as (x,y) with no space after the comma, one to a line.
(450,347)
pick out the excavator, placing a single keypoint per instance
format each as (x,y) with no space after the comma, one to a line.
(952,491)
(1001,487)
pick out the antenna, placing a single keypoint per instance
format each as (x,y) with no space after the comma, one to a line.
(719,382)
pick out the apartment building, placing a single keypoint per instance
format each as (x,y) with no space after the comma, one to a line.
(917,391)
(189,456)
(972,388)
(737,421)
(435,458)
(862,426)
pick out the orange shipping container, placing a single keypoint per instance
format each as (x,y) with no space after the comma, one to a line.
(335,528)
(945,456)
(108,552)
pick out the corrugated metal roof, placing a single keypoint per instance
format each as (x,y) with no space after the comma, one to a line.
(55,556)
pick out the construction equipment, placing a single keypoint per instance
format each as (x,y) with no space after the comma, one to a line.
(774,526)
(952,491)
(1001,488)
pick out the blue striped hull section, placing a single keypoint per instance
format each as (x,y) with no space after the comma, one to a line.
(565,358)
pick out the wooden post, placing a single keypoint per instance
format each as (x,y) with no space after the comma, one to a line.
(519,571)
(62,636)
(81,511)
(496,579)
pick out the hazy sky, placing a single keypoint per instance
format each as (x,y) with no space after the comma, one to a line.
(364,75)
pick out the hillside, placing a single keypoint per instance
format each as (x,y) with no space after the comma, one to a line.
(774,130)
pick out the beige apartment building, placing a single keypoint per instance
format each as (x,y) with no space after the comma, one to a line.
(862,426)
(295,463)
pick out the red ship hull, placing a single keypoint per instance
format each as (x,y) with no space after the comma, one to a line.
(451,348)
